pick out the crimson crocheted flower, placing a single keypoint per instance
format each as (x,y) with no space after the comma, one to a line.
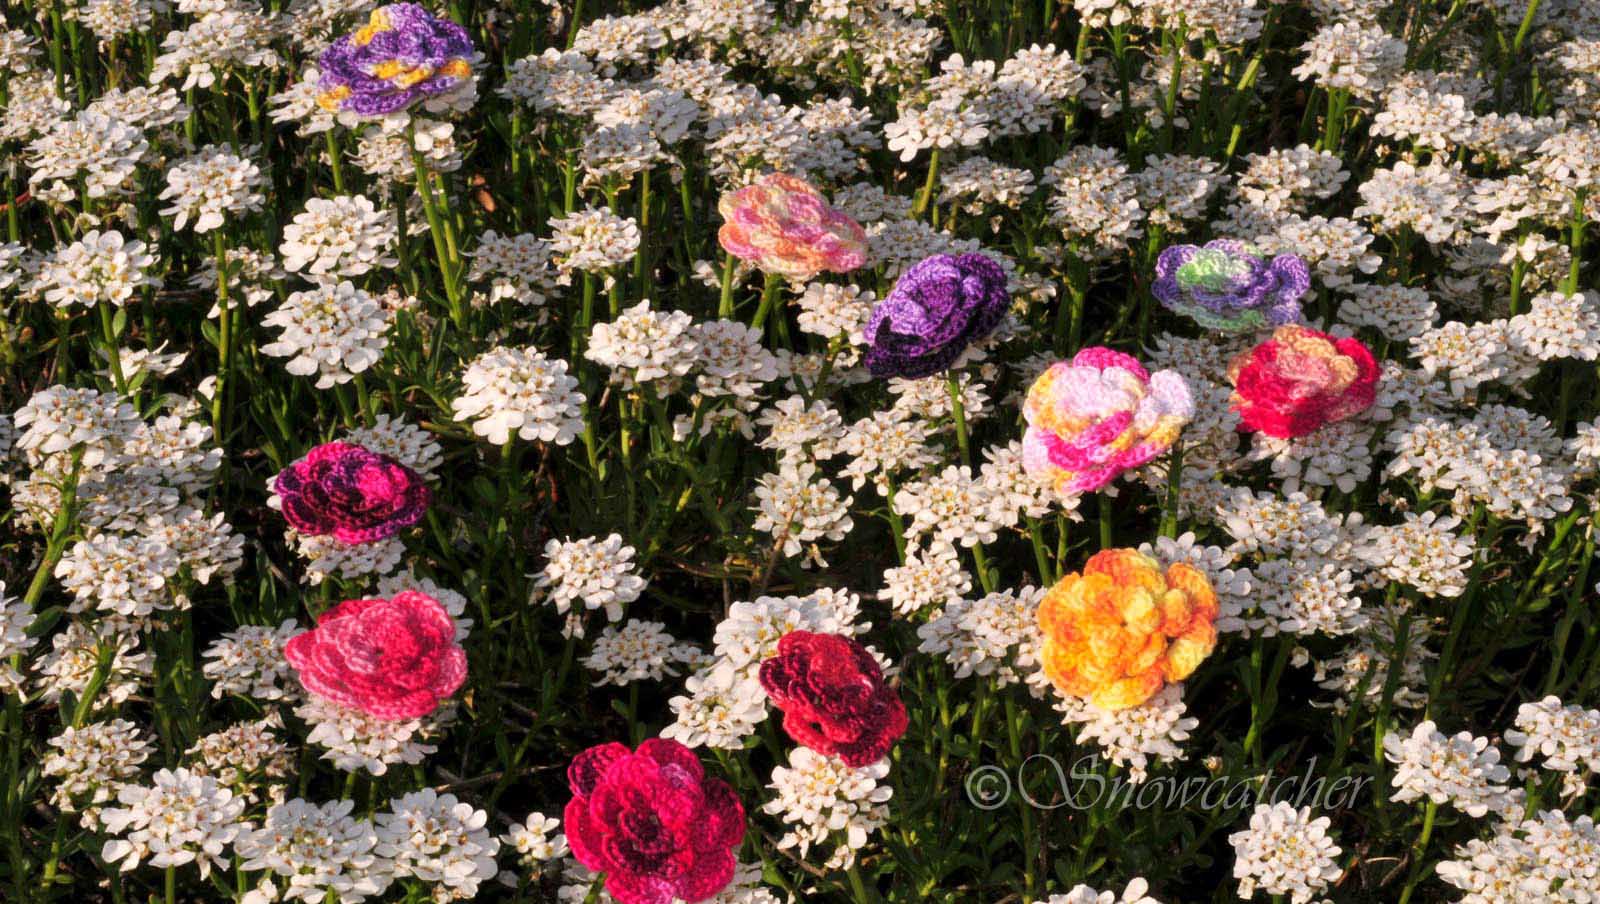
(1301,379)
(357,495)
(393,659)
(652,822)
(833,697)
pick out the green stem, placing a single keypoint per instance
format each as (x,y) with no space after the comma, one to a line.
(113,354)
(958,413)
(769,296)
(331,140)
(1575,244)
(926,197)
(59,532)
(219,411)
(725,306)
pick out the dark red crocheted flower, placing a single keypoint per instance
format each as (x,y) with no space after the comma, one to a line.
(1301,379)
(833,697)
(652,822)
(392,659)
(355,494)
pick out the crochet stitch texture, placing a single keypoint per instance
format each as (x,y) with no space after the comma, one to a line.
(1228,285)
(653,822)
(833,696)
(1099,415)
(357,495)
(402,55)
(1118,631)
(1300,380)
(782,225)
(393,659)
(937,308)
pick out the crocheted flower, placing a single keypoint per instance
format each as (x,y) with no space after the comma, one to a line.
(1229,285)
(356,495)
(403,54)
(652,822)
(937,308)
(1300,379)
(1098,415)
(833,697)
(393,659)
(1119,630)
(782,225)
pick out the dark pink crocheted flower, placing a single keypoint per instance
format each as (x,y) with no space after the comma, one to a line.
(652,822)
(1300,380)
(833,697)
(392,659)
(357,495)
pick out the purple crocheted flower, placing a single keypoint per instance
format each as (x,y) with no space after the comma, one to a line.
(938,307)
(1228,285)
(357,495)
(402,55)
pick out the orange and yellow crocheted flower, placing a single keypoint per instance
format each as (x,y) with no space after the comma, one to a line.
(1114,634)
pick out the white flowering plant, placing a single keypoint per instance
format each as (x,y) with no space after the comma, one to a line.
(754,451)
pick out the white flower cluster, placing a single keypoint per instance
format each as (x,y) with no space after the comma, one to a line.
(1285,852)
(519,391)
(179,818)
(332,330)
(1462,770)
(826,802)
(599,573)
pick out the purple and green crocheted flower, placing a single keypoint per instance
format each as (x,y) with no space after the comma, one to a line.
(1230,286)
(404,54)
(938,307)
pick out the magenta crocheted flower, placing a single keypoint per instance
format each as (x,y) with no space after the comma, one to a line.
(653,822)
(357,495)
(833,697)
(393,659)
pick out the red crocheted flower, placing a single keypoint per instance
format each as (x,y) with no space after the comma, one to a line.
(355,494)
(652,822)
(1301,379)
(833,697)
(392,659)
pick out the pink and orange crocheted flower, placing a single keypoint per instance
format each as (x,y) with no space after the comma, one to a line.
(393,659)
(1300,380)
(782,225)
(653,822)
(1118,631)
(1098,415)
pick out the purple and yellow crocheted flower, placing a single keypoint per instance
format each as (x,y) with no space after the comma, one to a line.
(937,308)
(404,54)
(1229,286)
